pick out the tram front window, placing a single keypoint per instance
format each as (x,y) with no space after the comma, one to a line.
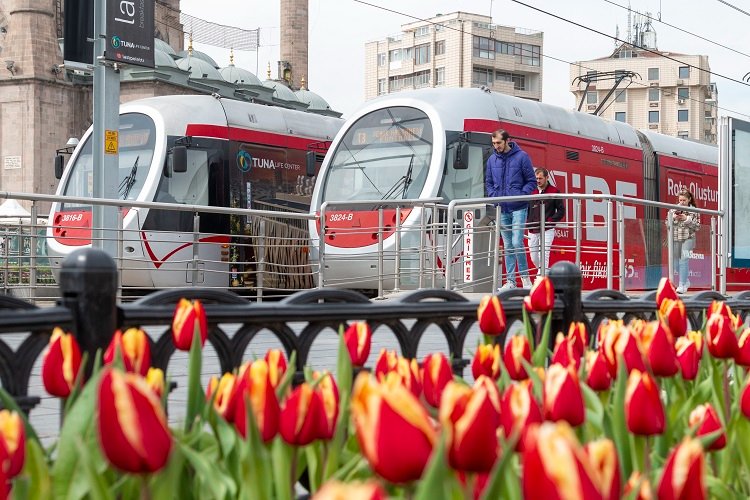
(385,155)
(136,136)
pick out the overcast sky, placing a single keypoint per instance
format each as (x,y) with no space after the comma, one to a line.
(337,69)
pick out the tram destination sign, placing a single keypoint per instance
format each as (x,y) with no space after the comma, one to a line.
(130,32)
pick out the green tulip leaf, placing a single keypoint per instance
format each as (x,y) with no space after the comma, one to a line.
(167,483)
(432,485)
(541,351)
(286,380)
(282,456)
(213,480)
(502,482)
(35,482)
(195,396)
(99,490)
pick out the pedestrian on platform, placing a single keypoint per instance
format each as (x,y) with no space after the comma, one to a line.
(509,173)
(684,227)
(554,211)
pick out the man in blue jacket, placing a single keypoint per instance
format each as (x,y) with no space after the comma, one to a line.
(510,173)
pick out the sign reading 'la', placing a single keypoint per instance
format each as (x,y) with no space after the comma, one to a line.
(130,32)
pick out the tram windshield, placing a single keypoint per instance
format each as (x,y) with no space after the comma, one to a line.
(384,155)
(137,135)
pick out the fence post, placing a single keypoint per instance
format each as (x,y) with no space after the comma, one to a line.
(566,279)
(88,286)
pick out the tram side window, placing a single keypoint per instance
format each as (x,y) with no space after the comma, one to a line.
(462,184)
(191,187)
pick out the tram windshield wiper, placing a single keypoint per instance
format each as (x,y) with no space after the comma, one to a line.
(127,183)
(407,177)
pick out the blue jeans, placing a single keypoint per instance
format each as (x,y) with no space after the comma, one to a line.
(681,252)
(512,226)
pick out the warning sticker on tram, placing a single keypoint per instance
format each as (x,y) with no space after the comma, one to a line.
(110,142)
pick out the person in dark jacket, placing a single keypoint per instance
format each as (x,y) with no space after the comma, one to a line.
(554,211)
(509,173)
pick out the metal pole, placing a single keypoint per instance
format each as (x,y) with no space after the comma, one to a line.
(380,253)
(713,252)
(577,229)
(496,252)
(106,125)
(449,243)
(397,257)
(542,218)
(726,183)
(322,246)
(608,225)
(261,258)
(196,242)
(670,246)
(32,250)
(435,231)
(621,243)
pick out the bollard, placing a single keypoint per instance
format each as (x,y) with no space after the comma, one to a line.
(88,285)
(566,279)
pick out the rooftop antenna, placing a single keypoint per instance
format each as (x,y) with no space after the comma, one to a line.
(617,34)
(630,25)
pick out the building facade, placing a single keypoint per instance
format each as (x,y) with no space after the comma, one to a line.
(456,50)
(665,92)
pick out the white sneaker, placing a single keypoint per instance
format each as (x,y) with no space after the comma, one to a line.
(681,289)
(526,282)
(509,285)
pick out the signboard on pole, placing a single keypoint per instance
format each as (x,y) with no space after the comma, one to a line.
(130,32)
(78,33)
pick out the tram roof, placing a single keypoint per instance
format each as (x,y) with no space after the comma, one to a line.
(683,148)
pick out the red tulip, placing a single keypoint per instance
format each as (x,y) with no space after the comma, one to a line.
(541,297)
(254,387)
(617,340)
(689,351)
(405,370)
(745,400)
(578,337)
(603,457)
(392,427)
(491,315)
(222,392)
(336,490)
(644,411)
(134,348)
(684,473)
(705,420)
(723,309)
(302,416)
(486,361)
(61,364)
(12,443)
(665,291)
(155,380)
(598,376)
(563,399)
(436,373)
(519,411)
(564,353)
(720,337)
(659,348)
(471,417)
(189,321)
(515,350)
(133,432)
(329,396)
(673,312)
(358,338)
(743,349)
(277,366)
(555,467)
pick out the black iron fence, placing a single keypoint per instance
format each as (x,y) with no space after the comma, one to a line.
(90,310)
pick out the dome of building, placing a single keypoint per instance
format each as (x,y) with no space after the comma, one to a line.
(281,91)
(198,68)
(163,58)
(314,101)
(160,44)
(239,76)
(195,54)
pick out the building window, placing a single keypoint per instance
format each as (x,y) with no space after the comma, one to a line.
(439,76)
(394,55)
(518,80)
(381,59)
(653,95)
(422,78)
(682,115)
(382,89)
(620,95)
(620,116)
(440,47)
(653,73)
(684,72)
(683,93)
(422,31)
(422,54)
(591,97)
(482,76)
(483,47)
(527,54)
(653,117)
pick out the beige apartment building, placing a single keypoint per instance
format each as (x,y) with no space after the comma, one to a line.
(667,92)
(456,50)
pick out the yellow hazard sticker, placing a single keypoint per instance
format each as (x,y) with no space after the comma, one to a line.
(110,142)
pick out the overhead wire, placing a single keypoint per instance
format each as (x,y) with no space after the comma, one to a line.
(734,7)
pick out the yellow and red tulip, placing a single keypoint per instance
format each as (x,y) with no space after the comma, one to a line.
(720,337)
(516,350)
(436,373)
(134,348)
(406,370)
(644,411)
(133,432)
(659,348)
(743,348)
(723,309)
(684,473)
(12,443)
(578,337)
(637,487)
(491,316)
(221,391)
(519,411)
(277,365)
(705,420)
(598,376)
(471,416)
(745,400)
(336,490)
(673,312)
(487,361)
(563,398)
(541,297)
(155,380)
(565,352)
(617,340)
(392,427)
(603,457)
(302,416)
(61,364)
(689,351)
(358,339)
(254,388)
(189,320)
(554,465)
(387,362)
(665,290)
(329,397)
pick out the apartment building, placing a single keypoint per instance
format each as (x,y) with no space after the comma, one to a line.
(456,50)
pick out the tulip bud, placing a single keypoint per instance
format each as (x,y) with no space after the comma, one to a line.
(617,340)
(689,351)
(603,457)
(720,337)
(673,313)
(563,399)
(436,373)
(336,490)
(743,349)
(564,353)
(222,391)
(723,309)
(189,321)
(519,411)
(392,427)
(471,417)
(598,376)
(329,396)
(684,472)
(387,362)
(644,411)
(134,348)
(578,337)
(541,297)
(254,388)
(659,348)
(486,361)
(406,370)
(301,416)
(155,380)
(133,432)
(705,420)
(358,338)
(745,401)
(491,316)
(61,364)
(517,349)
(277,366)
(665,290)
(12,443)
